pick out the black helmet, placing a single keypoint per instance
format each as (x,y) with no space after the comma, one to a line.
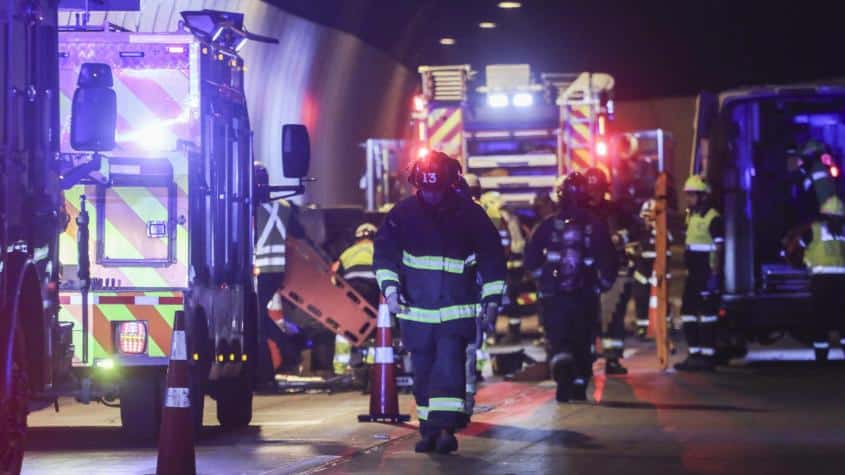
(573,190)
(596,180)
(435,171)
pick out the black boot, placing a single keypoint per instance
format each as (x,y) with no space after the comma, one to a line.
(561,369)
(446,443)
(579,390)
(426,444)
(614,367)
(688,364)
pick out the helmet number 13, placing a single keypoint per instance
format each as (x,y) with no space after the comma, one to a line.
(429,178)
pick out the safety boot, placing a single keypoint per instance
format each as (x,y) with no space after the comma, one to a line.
(614,368)
(446,443)
(426,444)
(561,369)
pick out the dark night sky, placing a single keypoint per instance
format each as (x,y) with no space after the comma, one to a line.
(653,48)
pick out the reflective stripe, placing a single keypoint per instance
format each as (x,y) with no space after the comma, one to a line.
(642,323)
(612,343)
(819,175)
(446,404)
(701,247)
(718,240)
(689,318)
(708,351)
(489,289)
(579,381)
(444,314)
(470,260)
(470,388)
(649,254)
(694,350)
(827,270)
(342,358)
(552,256)
(177,397)
(435,263)
(709,319)
(422,413)
(270,261)
(384,275)
(640,278)
(652,301)
(361,274)
(821,345)
(384,354)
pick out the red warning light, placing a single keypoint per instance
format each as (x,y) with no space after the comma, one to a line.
(422,152)
(834,171)
(419,103)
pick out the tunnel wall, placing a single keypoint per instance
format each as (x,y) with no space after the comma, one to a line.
(343,89)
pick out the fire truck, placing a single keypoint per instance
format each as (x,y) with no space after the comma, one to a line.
(518,133)
(127,196)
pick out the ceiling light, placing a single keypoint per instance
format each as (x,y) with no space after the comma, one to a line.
(447,41)
(510,5)
(487,25)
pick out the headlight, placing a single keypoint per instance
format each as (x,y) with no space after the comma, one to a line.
(523,99)
(498,100)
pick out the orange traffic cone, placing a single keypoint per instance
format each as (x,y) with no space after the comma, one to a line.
(176,438)
(384,402)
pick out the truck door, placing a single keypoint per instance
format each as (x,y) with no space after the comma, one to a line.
(706,109)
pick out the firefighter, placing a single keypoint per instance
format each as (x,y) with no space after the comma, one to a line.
(824,255)
(703,258)
(272,220)
(355,265)
(613,303)
(571,257)
(428,254)
(816,161)
(644,253)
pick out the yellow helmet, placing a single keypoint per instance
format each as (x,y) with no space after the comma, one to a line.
(833,207)
(491,200)
(697,183)
(366,230)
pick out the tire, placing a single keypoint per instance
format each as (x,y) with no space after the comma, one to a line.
(141,399)
(13,415)
(234,403)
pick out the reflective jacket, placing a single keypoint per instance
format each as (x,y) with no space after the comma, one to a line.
(356,262)
(825,251)
(600,257)
(271,223)
(704,231)
(432,256)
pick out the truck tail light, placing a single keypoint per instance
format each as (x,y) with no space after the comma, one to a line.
(131,337)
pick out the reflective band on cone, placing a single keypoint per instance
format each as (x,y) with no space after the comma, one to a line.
(384,355)
(177,397)
(178,348)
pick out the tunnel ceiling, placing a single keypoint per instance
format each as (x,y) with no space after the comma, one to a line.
(654,48)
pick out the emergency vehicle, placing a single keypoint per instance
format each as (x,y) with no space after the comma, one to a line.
(516,132)
(746,143)
(127,195)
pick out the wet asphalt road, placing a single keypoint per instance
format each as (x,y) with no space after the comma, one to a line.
(775,412)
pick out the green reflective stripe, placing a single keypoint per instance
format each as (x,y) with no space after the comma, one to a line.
(444,314)
(383,275)
(435,263)
(497,287)
(422,413)
(446,404)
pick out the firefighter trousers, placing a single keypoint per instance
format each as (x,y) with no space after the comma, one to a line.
(827,303)
(699,314)
(614,304)
(440,380)
(568,320)
(642,294)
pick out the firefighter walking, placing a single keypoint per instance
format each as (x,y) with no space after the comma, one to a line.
(428,253)
(571,257)
(824,255)
(703,258)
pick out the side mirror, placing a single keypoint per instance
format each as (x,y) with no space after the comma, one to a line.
(296,150)
(94,109)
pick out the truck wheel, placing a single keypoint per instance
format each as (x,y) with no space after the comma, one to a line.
(13,414)
(234,403)
(141,399)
